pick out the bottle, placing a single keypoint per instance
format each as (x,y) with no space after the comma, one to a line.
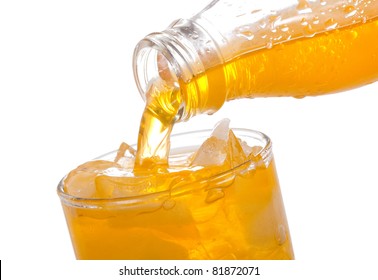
(248,48)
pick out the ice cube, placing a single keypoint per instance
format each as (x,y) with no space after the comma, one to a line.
(123,186)
(221,148)
(80,182)
(214,150)
(221,129)
(236,154)
(117,182)
(125,156)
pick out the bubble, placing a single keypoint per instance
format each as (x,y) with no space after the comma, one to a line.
(323,48)
(353,34)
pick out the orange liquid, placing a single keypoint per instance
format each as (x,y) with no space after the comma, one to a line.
(243,220)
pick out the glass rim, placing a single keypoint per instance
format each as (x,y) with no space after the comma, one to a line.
(264,157)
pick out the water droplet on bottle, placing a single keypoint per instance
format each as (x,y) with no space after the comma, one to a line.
(303,7)
(194,35)
(262,25)
(308,31)
(284,28)
(323,2)
(246,34)
(169,204)
(241,15)
(330,24)
(269,45)
(273,19)
(256,11)
(350,11)
(315,20)
(304,22)
(214,195)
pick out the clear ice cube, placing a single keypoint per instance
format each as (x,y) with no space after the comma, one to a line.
(81,181)
(214,150)
(222,148)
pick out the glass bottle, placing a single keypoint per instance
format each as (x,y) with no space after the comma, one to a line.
(249,48)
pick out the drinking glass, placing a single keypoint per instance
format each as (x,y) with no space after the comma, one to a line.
(237,213)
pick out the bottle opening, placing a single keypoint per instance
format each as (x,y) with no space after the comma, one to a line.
(151,65)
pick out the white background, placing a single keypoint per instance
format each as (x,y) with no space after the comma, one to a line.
(68,95)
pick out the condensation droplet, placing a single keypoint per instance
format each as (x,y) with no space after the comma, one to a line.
(304,22)
(330,24)
(323,2)
(262,25)
(315,20)
(169,204)
(308,31)
(214,195)
(246,34)
(269,45)
(303,7)
(274,19)
(194,35)
(255,11)
(284,28)
(350,11)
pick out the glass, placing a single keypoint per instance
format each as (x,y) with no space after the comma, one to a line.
(237,214)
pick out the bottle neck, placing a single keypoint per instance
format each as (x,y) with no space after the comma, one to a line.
(178,56)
